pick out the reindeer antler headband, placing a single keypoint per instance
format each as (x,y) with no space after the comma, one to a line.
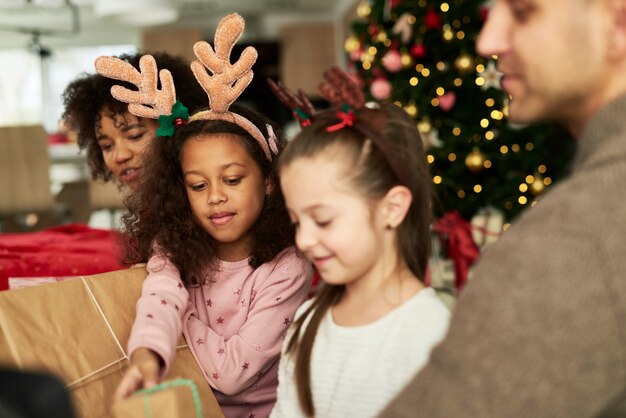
(348,102)
(300,105)
(223,83)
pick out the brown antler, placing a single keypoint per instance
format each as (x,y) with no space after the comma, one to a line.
(339,88)
(299,102)
(223,84)
(148,101)
(227,81)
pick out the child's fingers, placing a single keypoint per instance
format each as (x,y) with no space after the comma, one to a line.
(131,381)
(143,372)
(150,373)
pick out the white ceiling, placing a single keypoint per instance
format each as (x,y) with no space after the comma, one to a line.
(74,22)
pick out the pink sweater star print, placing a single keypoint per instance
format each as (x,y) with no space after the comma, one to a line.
(236,324)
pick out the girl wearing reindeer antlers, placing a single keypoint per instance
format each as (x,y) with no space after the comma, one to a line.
(357,188)
(210,218)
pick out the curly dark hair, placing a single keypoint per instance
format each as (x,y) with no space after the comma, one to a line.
(160,214)
(89,94)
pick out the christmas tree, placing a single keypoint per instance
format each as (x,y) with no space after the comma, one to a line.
(420,54)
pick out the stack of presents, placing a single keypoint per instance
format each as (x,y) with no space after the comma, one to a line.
(77,330)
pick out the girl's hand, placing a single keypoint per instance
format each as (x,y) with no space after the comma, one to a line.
(142,373)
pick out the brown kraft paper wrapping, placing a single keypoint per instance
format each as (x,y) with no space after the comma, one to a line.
(59,328)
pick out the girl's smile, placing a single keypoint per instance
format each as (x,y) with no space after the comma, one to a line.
(320,262)
(221,218)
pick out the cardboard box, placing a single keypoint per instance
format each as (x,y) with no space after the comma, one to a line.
(77,330)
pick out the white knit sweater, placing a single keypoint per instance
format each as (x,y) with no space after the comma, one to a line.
(356,371)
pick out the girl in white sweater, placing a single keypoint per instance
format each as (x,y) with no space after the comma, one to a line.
(357,187)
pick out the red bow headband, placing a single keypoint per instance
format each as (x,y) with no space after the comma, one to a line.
(348,102)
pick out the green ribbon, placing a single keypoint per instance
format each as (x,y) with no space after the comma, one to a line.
(167,385)
(301,113)
(166,122)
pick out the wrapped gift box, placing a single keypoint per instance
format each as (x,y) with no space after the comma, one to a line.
(77,330)
(178,398)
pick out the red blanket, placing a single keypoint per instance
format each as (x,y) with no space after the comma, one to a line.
(68,250)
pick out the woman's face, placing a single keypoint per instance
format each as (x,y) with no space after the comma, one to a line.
(123,138)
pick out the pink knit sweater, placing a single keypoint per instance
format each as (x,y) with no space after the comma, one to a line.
(235,326)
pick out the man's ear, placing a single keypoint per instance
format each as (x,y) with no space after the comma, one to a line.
(395,206)
(618,32)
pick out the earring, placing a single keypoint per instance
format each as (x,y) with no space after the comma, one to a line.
(388,227)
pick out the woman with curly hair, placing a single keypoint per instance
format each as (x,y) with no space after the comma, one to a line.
(114,138)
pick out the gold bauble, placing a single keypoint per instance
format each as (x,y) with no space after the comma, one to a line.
(424,126)
(352,44)
(505,108)
(407,60)
(464,63)
(475,161)
(367,57)
(364,9)
(411,109)
(382,36)
(537,186)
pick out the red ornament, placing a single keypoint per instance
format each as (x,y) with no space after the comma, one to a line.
(372,29)
(484,13)
(179,122)
(418,51)
(447,101)
(356,55)
(432,20)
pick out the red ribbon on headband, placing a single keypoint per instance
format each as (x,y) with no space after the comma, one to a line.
(461,247)
(346,117)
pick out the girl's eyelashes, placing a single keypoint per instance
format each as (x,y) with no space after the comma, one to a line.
(317,223)
(521,10)
(197,186)
(232,181)
(323,224)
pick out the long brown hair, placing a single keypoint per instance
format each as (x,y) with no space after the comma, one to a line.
(159,212)
(372,176)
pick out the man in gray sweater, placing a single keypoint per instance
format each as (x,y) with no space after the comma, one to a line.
(540,329)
